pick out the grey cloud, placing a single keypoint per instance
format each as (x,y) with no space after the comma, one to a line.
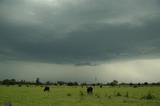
(78,31)
(87,45)
(85,64)
(64,39)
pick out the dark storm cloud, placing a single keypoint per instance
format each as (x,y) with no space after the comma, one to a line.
(78,31)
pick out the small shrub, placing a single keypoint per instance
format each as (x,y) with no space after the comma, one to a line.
(126,94)
(114,93)
(124,100)
(105,95)
(81,93)
(118,94)
(68,94)
(109,97)
(148,96)
(97,95)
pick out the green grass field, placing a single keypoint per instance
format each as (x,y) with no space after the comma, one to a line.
(77,96)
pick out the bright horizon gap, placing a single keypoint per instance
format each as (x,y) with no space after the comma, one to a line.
(124,71)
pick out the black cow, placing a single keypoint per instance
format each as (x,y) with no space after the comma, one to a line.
(46,89)
(89,90)
(135,86)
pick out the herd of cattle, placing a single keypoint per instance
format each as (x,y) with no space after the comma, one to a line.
(89,89)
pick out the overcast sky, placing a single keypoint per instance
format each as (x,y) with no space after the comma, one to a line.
(78,40)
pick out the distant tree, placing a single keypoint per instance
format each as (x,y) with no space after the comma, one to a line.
(70,84)
(22,82)
(9,82)
(98,84)
(55,84)
(93,84)
(158,83)
(37,81)
(154,83)
(32,83)
(113,83)
(60,82)
(83,84)
(27,82)
(6,82)
(12,81)
(75,83)
(145,83)
(123,83)
(139,84)
(131,84)
(48,83)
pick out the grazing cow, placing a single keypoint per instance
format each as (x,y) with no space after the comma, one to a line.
(89,90)
(135,86)
(46,89)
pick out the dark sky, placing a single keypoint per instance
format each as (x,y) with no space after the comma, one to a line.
(80,39)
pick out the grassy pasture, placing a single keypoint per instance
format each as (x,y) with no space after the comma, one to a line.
(77,96)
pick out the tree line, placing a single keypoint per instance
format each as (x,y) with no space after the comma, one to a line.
(61,83)
(36,82)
